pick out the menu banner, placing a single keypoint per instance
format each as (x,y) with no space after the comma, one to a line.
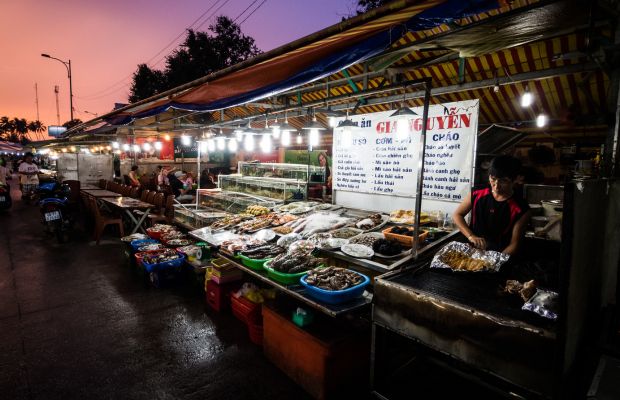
(381,156)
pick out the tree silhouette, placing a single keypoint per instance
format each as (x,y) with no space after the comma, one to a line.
(17,129)
(200,54)
(367,5)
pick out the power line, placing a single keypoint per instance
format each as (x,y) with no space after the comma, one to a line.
(252,13)
(123,82)
(243,12)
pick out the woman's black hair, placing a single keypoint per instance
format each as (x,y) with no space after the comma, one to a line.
(505,167)
(134,168)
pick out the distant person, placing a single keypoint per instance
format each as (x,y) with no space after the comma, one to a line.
(324,163)
(134,177)
(29,175)
(163,179)
(178,188)
(4,172)
(206,180)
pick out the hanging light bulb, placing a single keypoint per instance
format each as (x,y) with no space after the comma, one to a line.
(285,140)
(126,147)
(167,137)
(300,140)
(115,145)
(527,98)
(210,145)
(248,143)
(158,145)
(64,149)
(265,144)
(332,122)
(221,143)
(238,133)
(403,115)
(108,148)
(541,120)
(136,148)
(73,148)
(232,146)
(313,127)
(203,146)
(186,140)
(346,127)
(146,146)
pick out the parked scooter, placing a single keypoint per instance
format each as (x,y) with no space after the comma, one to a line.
(55,211)
(5,197)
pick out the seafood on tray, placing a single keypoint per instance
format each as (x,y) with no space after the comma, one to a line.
(345,233)
(333,278)
(257,210)
(233,245)
(367,239)
(281,219)
(283,230)
(293,263)
(524,290)
(462,257)
(319,222)
(261,252)
(370,222)
(408,217)
(255,224)
(227,222)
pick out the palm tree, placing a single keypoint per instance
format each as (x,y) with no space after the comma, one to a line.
(36,127)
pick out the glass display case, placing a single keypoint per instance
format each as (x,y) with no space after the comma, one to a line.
(297,172)
(277,189)
(195,216)
(231,202)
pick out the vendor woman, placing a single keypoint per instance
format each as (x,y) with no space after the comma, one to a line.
(498,217)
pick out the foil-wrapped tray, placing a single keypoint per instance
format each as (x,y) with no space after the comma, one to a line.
(461,257)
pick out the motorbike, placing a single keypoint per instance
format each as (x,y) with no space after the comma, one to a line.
(55,210)
(5,197)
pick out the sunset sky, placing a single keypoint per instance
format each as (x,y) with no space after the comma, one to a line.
(106,39)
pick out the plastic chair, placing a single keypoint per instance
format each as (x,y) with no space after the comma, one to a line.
(102,220)
(144,195)
(151,197)
(167,214)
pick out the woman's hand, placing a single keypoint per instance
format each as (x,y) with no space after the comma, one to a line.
(478,242)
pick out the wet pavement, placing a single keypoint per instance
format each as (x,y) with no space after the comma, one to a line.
(75,323)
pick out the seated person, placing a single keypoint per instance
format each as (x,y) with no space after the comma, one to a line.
(177,187)
(499,218)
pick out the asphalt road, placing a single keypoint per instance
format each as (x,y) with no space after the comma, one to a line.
(75,323)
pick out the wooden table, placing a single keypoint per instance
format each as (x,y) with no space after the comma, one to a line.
(100,193)
(127,205)
(88,186)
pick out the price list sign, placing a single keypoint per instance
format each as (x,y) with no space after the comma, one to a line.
(380,155)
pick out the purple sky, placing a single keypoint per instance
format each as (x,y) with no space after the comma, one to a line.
(106,39)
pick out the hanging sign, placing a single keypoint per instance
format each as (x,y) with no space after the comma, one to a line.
(182,151)
(380,155)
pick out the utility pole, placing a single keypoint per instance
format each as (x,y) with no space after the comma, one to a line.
(36,99)
(67,65)
(57,106)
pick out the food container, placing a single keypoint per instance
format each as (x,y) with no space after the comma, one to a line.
(257,265)
(336,296)
(283,278)
(404,239)
(177,262)
(134,236)
(255,332)
(476,260)
(136,244)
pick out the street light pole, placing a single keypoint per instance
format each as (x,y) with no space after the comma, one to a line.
(67,65)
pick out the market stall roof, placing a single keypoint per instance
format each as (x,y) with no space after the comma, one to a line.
(491,51)
(10,147)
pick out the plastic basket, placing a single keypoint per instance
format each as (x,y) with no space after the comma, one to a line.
(282,277)
(257,265)
(245,310)
(140,255)
(403,239)
(256,333)
(178,262)
(336,296)
(136,244)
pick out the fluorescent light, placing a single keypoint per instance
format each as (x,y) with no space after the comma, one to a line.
(527,99)
(158,145)
(541,120)
(285,140)
(232,146)
(248,143)
(265,144)
(314,137)
(221,143)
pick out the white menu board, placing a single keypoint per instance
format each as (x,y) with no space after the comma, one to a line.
(374,158)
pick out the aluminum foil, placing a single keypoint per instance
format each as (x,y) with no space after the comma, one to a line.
(494,259)
(544,303)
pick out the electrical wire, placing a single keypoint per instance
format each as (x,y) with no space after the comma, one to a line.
(252,13)
(243,12)
(123,82)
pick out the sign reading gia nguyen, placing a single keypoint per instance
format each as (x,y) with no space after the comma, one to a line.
(374,158)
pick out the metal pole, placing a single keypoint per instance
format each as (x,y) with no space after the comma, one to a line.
(70,90)
(420,182)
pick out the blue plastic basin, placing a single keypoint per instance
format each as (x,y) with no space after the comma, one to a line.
(335,296)
(164,265)
(136,244)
